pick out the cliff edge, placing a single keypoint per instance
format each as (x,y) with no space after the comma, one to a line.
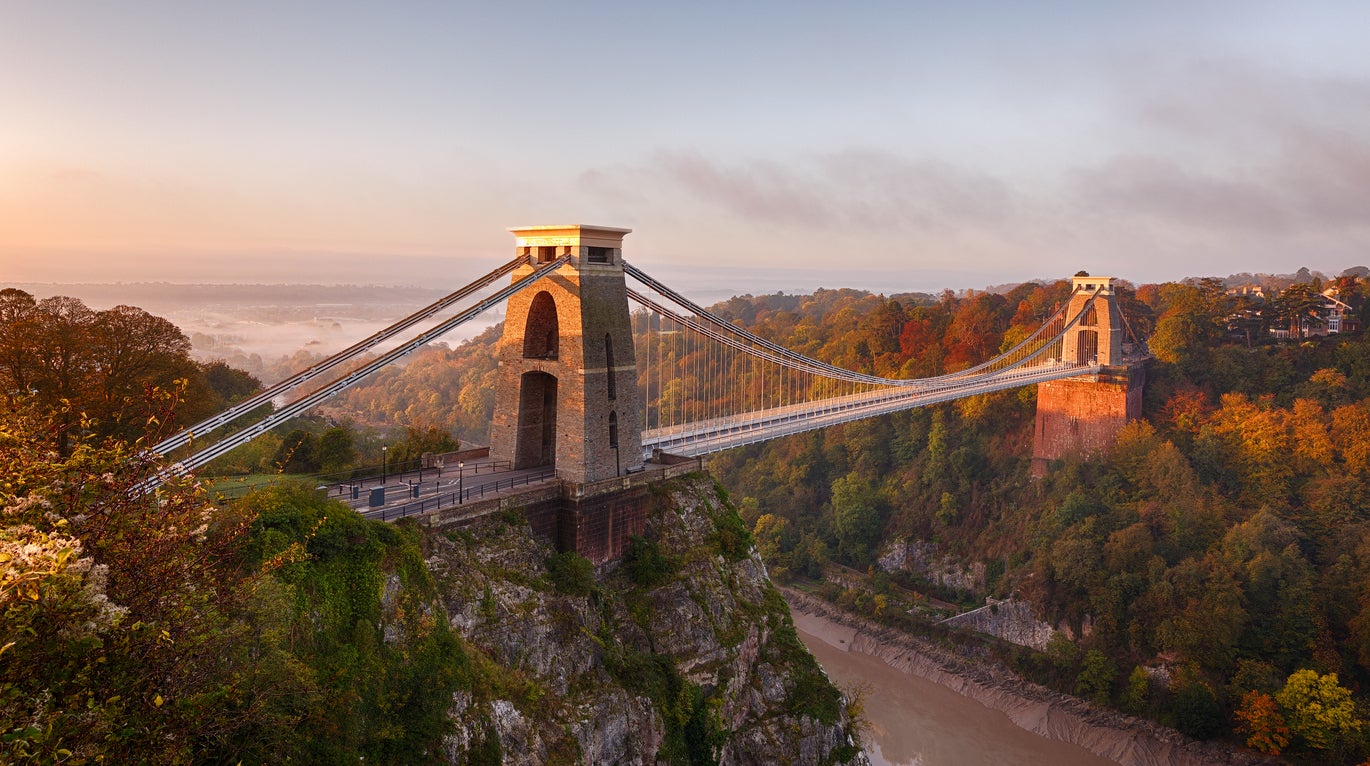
(683,653)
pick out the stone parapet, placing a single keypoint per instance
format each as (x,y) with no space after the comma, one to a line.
(595,519)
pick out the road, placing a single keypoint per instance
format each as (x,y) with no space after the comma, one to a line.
(436,488)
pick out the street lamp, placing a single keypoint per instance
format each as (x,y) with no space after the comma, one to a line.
(461,482)
(383,449)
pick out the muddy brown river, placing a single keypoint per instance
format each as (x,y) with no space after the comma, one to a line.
(916,722)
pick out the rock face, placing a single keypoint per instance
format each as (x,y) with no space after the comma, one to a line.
(685,653)
(924,558)
(1010,620)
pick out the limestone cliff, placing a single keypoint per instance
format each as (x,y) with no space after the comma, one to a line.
(685,653)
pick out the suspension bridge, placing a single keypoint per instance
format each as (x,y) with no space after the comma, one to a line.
(603,367)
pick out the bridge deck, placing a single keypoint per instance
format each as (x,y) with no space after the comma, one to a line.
(706,436)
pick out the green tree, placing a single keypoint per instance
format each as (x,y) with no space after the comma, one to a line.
(1137,692)
(1299,306)
(1097,674)
(297,453)
(856,519)
(337,449)
(571,573)
(1196,710)
(230,384)
(810,556)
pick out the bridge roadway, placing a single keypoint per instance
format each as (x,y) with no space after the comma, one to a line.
(705,436)
(437,488)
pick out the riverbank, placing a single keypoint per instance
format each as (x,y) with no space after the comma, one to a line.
(1120,738)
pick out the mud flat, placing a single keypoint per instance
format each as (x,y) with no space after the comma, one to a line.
(1069,731)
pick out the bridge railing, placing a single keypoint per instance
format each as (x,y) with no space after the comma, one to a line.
(464,495)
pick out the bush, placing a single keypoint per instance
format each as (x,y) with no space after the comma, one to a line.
(571,573)
(732,536)
(1197,713)
(645,564)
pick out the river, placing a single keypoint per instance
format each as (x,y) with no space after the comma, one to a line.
(917,722)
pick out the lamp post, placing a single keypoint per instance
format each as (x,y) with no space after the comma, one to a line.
(461,482)
(383,450)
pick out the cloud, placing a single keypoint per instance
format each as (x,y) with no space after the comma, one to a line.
(1163,189)
(760,189)
(1238,148)
(847,189)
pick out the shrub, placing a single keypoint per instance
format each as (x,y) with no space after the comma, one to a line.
(571,573)
(645,564)
(732,536)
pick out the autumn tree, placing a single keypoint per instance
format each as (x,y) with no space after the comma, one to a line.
(1319,710)
(70,359)
(1259,718)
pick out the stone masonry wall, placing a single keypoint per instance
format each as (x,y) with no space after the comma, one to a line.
(1083,416)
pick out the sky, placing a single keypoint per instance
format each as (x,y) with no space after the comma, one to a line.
(751,146)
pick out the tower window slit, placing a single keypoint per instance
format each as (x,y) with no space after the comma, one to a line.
(609,364)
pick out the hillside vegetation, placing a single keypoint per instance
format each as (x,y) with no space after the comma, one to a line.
(284,628)
(1214,567)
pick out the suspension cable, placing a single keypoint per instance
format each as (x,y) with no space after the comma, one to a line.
(328,391)
(833,370)
(231,414)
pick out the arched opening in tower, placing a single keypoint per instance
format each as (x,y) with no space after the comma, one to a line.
(537,429)
(540,333)
(1086,346)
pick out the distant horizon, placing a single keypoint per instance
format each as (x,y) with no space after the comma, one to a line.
(794,281)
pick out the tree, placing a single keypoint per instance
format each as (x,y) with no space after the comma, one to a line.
(856,519)
(18,323)
(1196,709)
(1259,718)
(1095,681)
(297,453)
(116,643)
(58,352)
(975,330)
(1298,306)
(128,349)
(337,449)
(771,533)
(230,384)
(418,440)
(1319,709)
(1137,693)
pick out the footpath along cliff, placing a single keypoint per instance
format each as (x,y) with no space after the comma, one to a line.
(683,653)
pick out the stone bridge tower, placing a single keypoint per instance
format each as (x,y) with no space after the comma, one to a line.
(1083,415)
(567,383)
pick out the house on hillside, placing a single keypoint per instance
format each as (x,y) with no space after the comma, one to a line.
(1337,316)
(1333,317)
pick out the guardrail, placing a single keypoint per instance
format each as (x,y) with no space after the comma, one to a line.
(464,495)
(339,484)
